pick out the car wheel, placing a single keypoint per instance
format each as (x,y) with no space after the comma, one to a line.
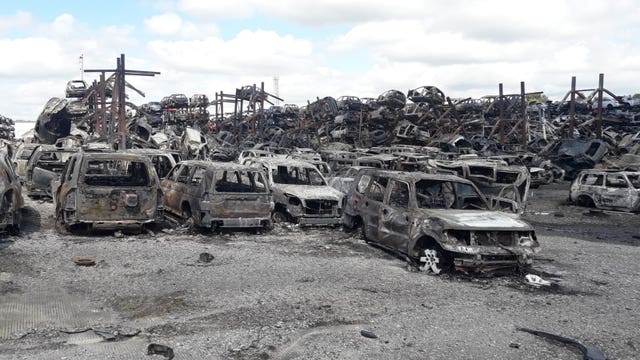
(60,226)
(360,230)
(435,261)
(585,201)
(279,216)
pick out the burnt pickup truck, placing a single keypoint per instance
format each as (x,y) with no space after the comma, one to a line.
(438,222)
(300,192)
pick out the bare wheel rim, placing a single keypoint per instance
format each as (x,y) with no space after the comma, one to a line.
(431,261)
(279,217)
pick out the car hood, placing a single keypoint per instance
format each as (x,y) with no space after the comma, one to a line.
(310,191)
(479,220)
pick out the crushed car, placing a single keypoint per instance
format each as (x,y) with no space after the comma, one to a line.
(300,192)
(110,190)
(218,195)
(609,190)
(438,222)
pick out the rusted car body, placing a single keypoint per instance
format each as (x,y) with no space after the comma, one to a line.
(437,222)
(11,192)
(247,155)
(44,166)
(301,193)
(21,159)
(110,190)
(218,195)
(162,161)
(492,177)
(611,190)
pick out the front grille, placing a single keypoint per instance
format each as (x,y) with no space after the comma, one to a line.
(320,207)
(492,238)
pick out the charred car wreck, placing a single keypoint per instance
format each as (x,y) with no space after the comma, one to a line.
(218,195)
(107,190)
(438,222)
(301,193)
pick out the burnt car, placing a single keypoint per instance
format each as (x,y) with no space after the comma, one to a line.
(75,89)
(301,193)
(111,190)
(44,166)
(610,190)
(218,195)
(349,103)
(199,100)
(162,161)
(439,222)
(11,192)
(21,159)
(175,101)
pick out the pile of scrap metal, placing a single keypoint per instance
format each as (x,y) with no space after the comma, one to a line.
(7,128)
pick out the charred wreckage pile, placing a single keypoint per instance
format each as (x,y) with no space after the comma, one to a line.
(461,168)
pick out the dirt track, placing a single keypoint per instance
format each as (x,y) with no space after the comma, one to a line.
(307,294)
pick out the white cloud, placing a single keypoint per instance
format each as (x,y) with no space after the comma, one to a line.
(19,20)
(259,53)
(238,9)
(463,47)
(172,25)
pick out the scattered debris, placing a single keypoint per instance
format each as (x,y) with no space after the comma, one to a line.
(205,257)
(536,281)
(157,349)
(368,334)
(85,262)
(588,352)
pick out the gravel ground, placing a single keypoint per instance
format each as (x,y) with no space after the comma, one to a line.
(308,294)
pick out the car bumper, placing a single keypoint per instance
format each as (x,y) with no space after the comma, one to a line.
(237,222)
(319,220)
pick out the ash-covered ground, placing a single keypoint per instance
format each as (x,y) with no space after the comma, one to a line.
(309,293)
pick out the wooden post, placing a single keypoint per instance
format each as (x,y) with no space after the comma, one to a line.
(501,116)
(572,108)
(525,126)
(599,119)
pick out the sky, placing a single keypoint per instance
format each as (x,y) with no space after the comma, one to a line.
(318,48)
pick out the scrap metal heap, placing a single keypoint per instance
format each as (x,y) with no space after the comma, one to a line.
(422,129)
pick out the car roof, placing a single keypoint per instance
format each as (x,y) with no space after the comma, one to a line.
(217,165)
(113,155)
(276,161)
(413,176)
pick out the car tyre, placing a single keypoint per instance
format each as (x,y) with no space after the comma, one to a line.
(434,260)
(279,216)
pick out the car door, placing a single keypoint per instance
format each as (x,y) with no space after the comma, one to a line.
(591,185)
(617,193)
(193,187)
(180,187)
(171,189)
(395,216)
(371,204)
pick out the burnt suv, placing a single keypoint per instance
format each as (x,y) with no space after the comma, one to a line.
(107,190)
(300,192)
(439,222)
(215,194)
(607,189)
